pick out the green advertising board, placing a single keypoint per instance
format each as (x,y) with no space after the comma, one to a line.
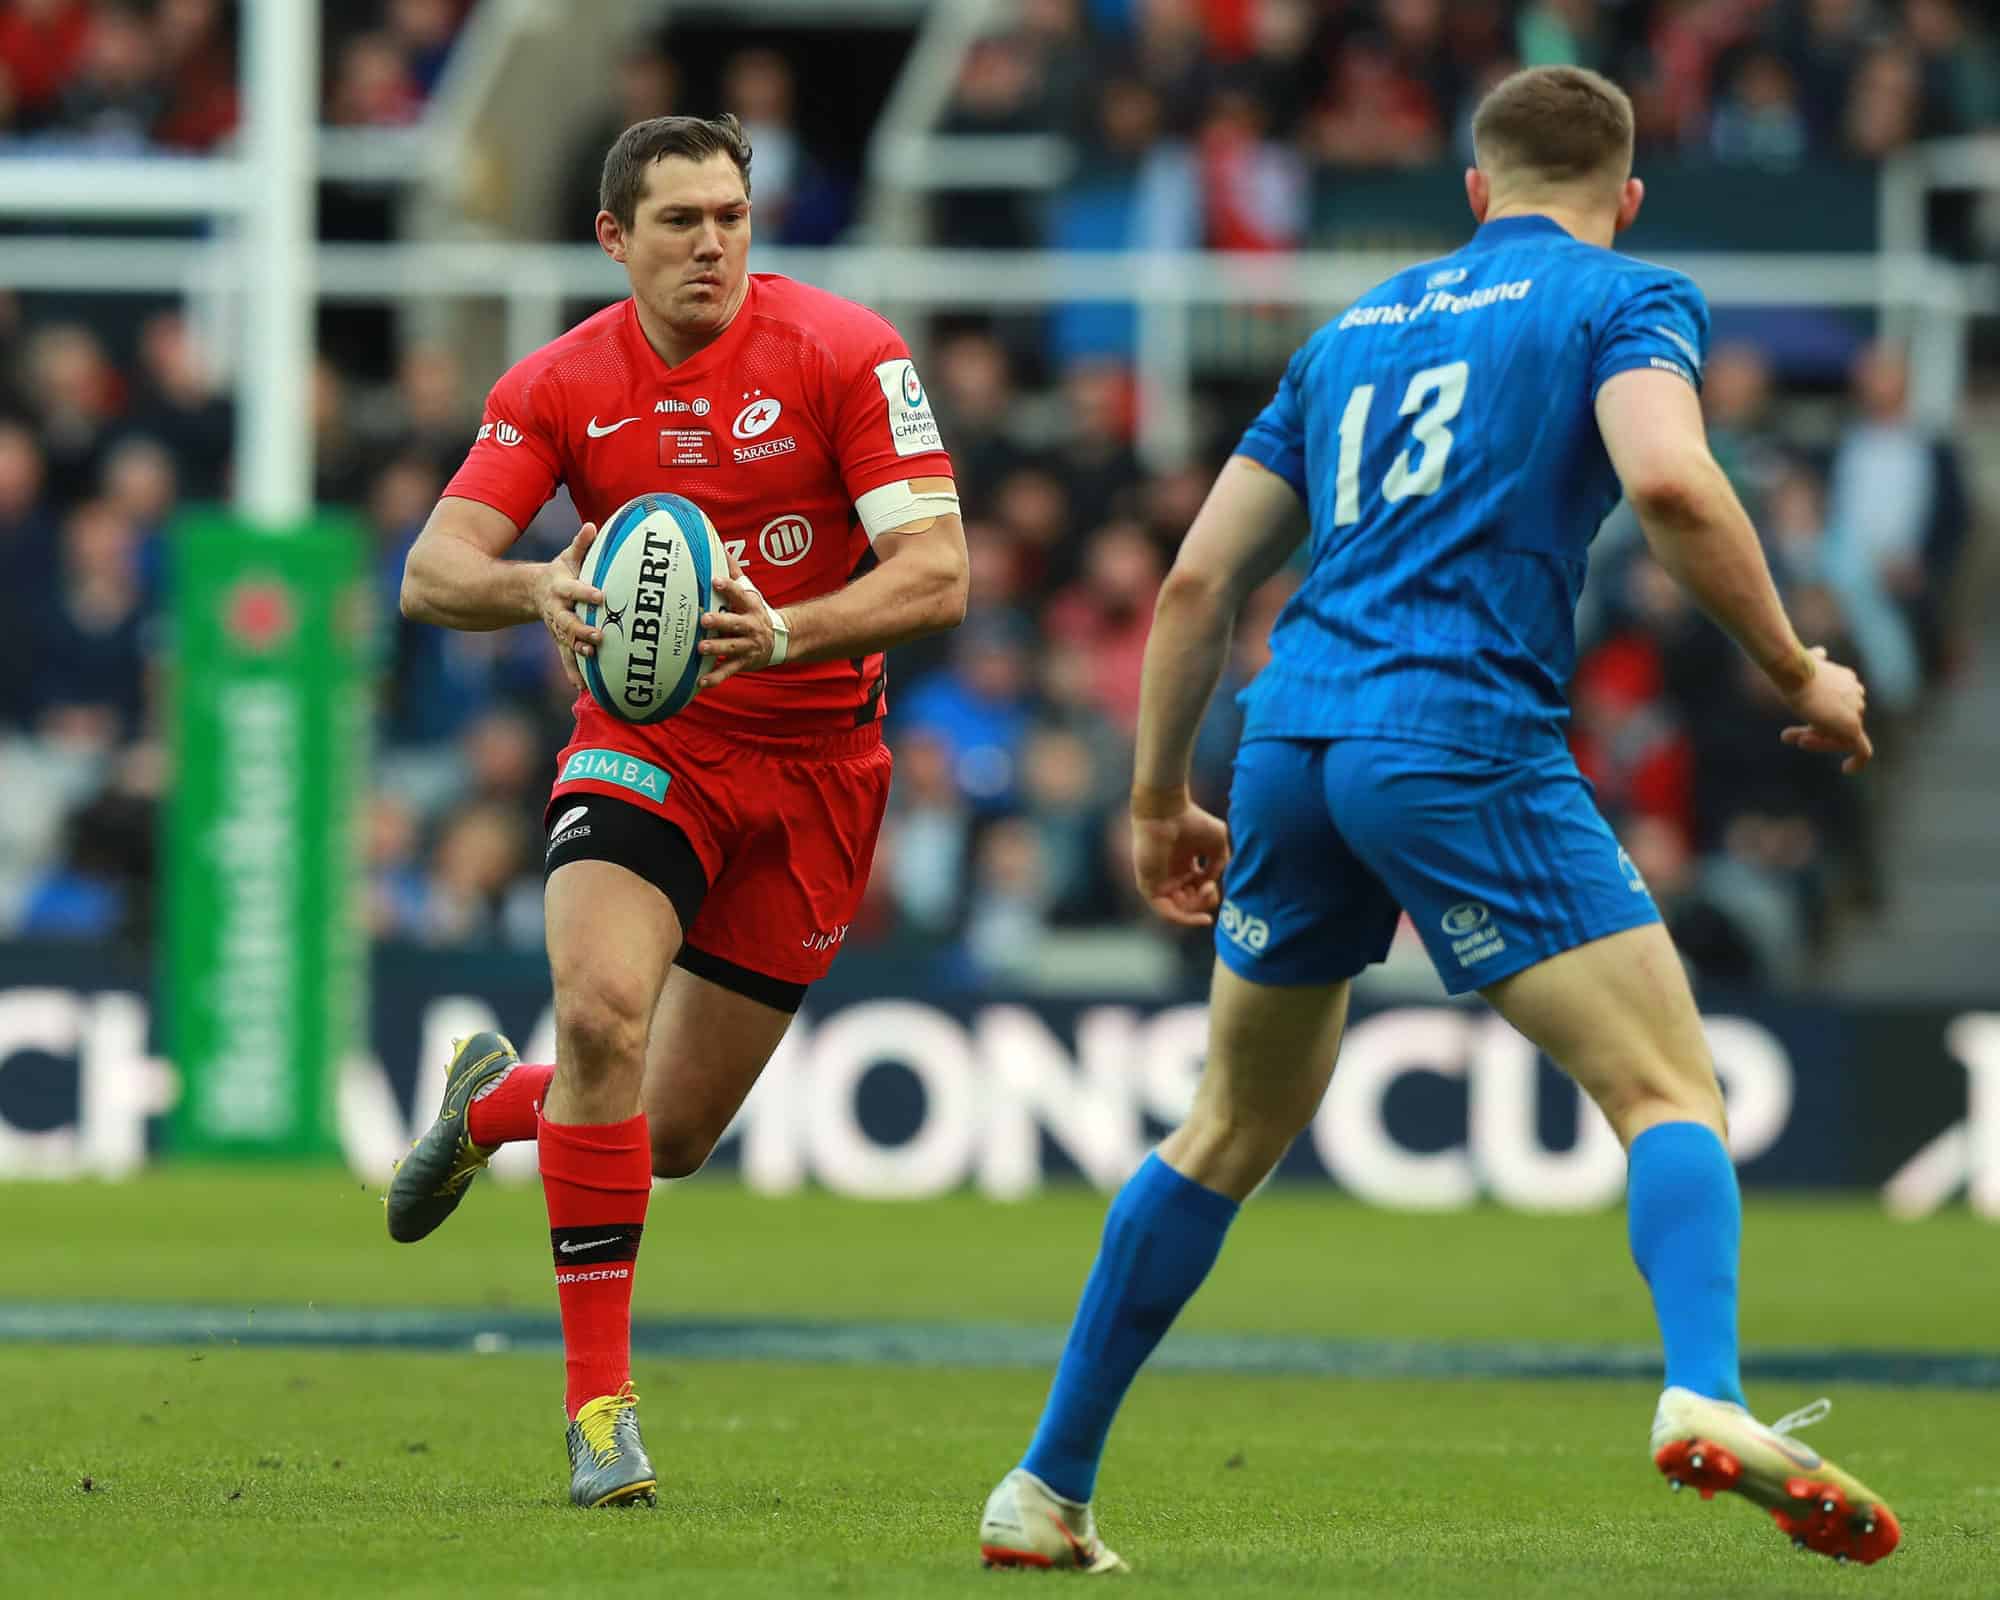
(262,985)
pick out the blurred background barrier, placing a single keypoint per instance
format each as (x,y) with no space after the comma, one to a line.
(264,942)
(889,1088)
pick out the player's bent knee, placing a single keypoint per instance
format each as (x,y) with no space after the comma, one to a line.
(1634,1103)
(599,1032)
(679,1153)
(1230,1153)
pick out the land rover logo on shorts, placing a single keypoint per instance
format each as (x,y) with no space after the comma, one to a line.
(785,540)
(1464,917)
(759,416)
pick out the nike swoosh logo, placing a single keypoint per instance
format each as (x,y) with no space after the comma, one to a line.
(596,432)
(1079,1552)
(589,1244)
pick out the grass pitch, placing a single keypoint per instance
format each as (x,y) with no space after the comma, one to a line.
(223,1469)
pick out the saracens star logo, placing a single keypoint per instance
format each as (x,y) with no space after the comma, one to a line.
(758,416)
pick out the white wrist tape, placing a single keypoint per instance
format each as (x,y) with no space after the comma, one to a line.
(897,505)
(781,632)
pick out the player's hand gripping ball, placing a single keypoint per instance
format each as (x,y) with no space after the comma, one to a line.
(656,561)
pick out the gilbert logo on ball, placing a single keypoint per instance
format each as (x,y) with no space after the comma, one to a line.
(655,559)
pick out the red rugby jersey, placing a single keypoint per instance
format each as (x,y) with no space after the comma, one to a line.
(803,404)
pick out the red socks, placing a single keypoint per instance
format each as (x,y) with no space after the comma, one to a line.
(505,1110)
(596,1179)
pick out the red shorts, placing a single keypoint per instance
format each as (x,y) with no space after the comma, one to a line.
(785,831)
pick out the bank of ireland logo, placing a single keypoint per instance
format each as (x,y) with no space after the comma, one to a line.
(1446,278)
(785,540)
(1469,927)
(1462,918)
(759,416)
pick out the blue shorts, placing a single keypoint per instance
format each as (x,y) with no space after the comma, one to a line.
(1500,864)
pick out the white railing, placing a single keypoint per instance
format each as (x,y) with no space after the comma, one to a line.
(251,285)
(535,282)
(1938,347)
(895,165)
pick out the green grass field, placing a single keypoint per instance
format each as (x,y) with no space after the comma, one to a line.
(228,1468)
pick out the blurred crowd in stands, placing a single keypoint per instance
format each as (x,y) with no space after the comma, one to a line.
(1005,856)
(1006,845)
(1223,101)
(1218,110)
(118,75)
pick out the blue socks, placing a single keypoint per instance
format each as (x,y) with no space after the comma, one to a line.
(1685,1220)
(1164,1232)
(1161,1237)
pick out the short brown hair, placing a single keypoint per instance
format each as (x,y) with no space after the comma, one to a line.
(635,150)
(1555,125)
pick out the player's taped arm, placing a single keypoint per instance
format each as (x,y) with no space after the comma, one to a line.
(918,586)
(1250,522)
(1693,522)
(456,576)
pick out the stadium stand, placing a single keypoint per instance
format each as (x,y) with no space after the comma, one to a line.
(1222,123)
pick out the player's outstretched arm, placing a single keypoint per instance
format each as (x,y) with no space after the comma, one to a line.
(456,576)
(1697,528)
(1246,527)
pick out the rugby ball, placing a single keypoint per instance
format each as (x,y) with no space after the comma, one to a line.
(655,560)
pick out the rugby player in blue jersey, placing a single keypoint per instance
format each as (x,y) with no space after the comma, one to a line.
(1448,447)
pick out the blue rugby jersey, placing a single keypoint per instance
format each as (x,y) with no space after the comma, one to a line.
(1443,434)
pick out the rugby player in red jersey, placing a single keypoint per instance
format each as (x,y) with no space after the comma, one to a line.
(702,871)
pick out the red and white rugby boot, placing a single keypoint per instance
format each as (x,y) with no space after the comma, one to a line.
(1027,1524)
(1711,1444)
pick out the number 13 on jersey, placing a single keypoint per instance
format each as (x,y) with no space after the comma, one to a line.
(1434,395)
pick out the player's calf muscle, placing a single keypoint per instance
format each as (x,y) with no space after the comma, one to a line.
(680,1150)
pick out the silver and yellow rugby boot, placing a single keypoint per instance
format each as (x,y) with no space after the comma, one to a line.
(430,1181)
(608,1466)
